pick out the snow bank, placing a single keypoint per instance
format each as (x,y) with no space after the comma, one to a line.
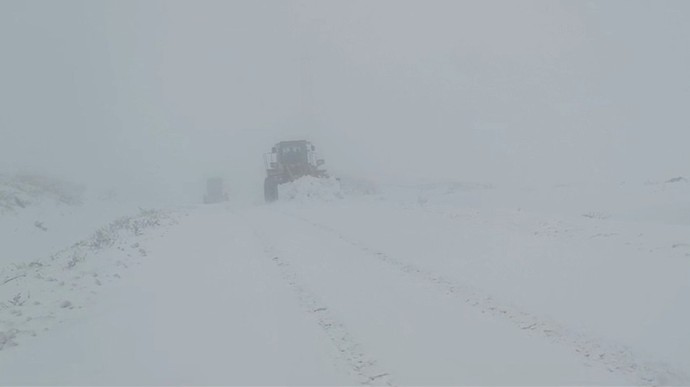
(310,188)
(36,295)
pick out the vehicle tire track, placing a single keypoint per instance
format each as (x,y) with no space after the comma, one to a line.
(362,366)
(613,357)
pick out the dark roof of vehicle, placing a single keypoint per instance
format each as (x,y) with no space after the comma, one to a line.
(293,142)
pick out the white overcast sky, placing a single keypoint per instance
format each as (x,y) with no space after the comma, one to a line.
(171,91)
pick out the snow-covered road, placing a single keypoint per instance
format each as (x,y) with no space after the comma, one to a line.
(204,308)
(360,292)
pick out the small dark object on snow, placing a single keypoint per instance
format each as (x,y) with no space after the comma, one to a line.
(19,202)
(677,180)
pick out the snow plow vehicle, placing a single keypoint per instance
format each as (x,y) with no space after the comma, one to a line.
(289,161)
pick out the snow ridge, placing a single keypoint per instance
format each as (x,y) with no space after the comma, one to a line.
(36,295)
(308,189)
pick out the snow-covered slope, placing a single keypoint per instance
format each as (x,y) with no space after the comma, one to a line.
(40,215)
(431,285)
(19,192)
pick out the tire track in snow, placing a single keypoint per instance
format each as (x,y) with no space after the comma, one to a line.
(615,358)
(362,366)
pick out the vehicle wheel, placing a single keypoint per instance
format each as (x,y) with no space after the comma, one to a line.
(270,190)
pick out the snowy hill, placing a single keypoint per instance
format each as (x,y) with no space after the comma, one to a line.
(22,192)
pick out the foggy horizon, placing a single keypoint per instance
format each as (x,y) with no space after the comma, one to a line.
(161,92)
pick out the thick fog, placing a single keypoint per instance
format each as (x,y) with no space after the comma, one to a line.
(505,198)
(156,96)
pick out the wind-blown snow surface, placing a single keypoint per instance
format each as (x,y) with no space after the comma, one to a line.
(432,284)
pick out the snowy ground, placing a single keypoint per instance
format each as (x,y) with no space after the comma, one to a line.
(431,284)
